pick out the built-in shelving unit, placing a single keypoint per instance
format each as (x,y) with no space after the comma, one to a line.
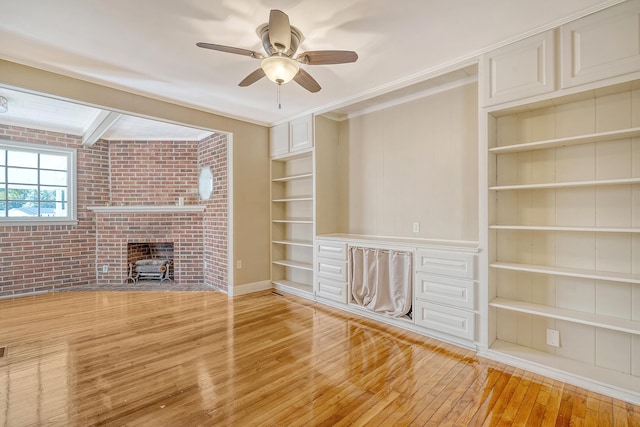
(564,235)
(292,222)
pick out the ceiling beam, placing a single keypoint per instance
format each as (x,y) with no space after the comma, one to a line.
(103,121)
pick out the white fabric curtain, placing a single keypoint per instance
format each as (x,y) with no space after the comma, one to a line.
(381,280)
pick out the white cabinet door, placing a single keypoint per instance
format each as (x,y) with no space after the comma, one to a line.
(279,139)
(519,70)
(602,45)
(301,134)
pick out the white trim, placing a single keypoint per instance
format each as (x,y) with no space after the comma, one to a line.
(248,288)
(146,208)
(230,239)
(24,294)
(457,245)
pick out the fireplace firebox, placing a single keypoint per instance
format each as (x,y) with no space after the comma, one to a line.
(150,260)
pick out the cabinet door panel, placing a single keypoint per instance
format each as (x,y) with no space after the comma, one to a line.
(301,131)
(602,45)
(519,70)
(279,140)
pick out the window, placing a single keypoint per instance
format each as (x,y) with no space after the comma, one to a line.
(37,183)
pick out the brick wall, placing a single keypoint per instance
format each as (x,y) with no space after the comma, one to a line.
(46,258)
(153,172)
(35,258)
(212,152)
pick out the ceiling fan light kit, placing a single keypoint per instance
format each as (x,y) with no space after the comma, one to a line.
(280,69)
(280,41)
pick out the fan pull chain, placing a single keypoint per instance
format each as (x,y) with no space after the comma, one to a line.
(279,104)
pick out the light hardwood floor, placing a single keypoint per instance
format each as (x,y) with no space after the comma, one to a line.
(198,358)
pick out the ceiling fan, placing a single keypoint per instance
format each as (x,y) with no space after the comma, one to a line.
(280,41)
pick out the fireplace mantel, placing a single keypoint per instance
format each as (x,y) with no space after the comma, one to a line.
(146,208)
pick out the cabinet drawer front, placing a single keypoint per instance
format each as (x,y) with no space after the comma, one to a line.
(330,249)
(332,269)
(448,320)
(453,264)
(445,290)
(331,289)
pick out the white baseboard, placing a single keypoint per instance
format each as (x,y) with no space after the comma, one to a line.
(26,294)
(248,288)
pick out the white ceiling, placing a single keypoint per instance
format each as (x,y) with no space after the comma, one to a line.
(148,46)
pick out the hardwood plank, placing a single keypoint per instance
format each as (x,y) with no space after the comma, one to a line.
(200,358)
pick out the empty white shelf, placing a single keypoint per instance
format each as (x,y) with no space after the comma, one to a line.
(303,243)
(293,177)
(571,140)
(597,320)
(294,199)
(294,220)
(296,288)
(294,264)
(569,272)
(561,228)
(567,184)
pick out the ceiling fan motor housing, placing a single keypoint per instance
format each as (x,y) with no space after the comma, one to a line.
(296,38)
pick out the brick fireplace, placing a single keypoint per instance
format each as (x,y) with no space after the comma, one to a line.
(117,227)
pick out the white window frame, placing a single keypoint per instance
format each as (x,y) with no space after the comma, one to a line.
(71,154)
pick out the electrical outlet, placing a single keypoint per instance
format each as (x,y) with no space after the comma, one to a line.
(105,268)
(239,264)
(416,227)
(553,337)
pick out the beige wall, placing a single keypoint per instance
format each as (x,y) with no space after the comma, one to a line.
(250,148)
(414,162)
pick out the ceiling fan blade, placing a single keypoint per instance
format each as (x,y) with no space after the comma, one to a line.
(279,30)
(229,49)
(252,78)
(305,80)
(321,57)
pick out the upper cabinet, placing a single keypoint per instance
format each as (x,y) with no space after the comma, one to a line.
(292,137)
(279,140)
(301,134)
(602,45)
(519,70)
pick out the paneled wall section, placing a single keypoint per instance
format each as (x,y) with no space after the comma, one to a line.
(415,162)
